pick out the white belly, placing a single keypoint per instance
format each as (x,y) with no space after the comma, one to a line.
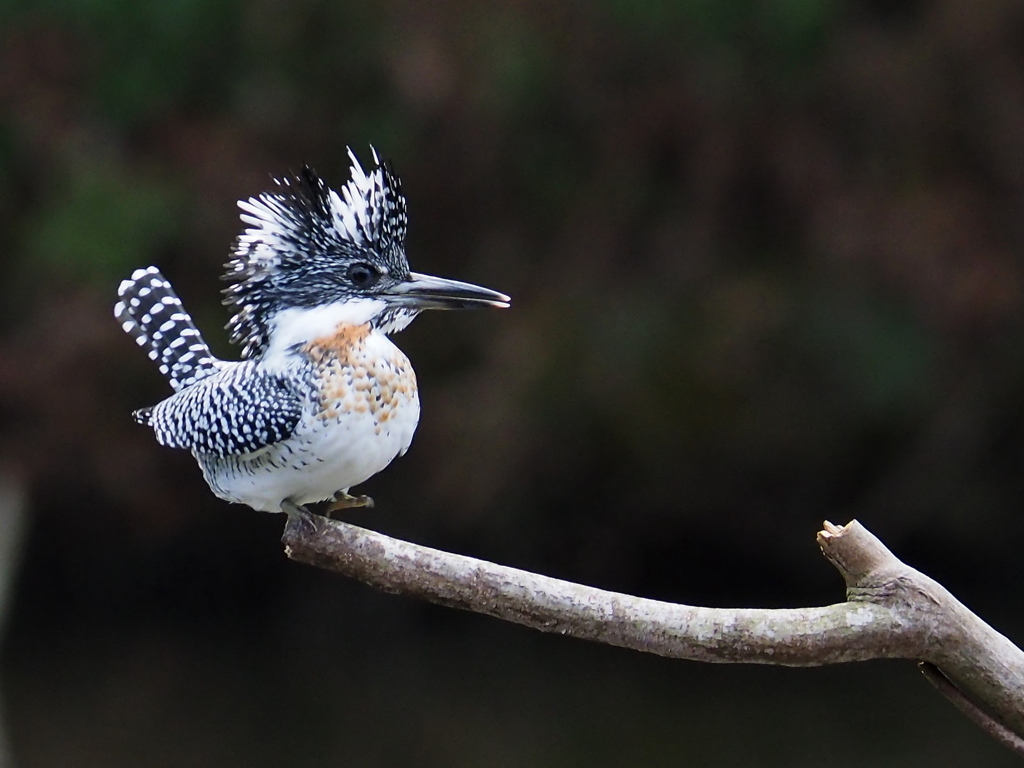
(359,416)
(322,457)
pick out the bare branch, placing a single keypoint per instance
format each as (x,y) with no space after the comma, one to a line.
(892,611)
(983,719)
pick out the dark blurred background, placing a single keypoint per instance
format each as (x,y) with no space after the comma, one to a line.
(767,261)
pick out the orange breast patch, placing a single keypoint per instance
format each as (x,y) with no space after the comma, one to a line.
(353,381)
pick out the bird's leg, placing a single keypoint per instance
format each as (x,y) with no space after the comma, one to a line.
(290,507)
(343,500)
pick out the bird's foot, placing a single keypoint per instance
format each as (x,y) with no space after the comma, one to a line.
(343,500)
(291,508)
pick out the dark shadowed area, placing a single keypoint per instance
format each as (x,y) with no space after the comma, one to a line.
(767,268)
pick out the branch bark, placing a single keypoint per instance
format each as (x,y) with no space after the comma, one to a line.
(892,611)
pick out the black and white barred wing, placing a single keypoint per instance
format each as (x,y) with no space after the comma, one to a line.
(236,411)
(151,313)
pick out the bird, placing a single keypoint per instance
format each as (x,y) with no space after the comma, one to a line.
(322,399)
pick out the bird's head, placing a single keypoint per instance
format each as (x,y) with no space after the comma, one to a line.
(318,257)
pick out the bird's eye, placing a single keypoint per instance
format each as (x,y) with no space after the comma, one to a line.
(361,275)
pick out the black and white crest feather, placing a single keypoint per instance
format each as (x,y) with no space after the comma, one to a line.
(298,238)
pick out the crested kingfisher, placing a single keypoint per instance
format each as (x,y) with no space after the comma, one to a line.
(322,399)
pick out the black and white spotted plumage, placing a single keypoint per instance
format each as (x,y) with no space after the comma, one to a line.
(151,313)
(322,399)
(289,254)
(238,410)
(220,408)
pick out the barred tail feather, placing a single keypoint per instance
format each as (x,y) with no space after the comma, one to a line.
(151,313)
(143,416)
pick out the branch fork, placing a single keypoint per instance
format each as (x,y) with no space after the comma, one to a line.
(892,611)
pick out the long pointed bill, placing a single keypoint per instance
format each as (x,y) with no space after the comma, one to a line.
(428,292)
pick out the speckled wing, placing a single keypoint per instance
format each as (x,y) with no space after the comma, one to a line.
(234,412)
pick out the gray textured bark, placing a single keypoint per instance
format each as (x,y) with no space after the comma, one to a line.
(892,611)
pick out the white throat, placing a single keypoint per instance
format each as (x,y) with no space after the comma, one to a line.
(298,326)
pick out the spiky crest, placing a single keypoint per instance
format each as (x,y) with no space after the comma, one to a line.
(299,236)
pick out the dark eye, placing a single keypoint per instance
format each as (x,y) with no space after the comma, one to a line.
(361,275)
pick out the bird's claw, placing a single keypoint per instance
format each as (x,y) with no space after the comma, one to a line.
(343,500)
(291,508)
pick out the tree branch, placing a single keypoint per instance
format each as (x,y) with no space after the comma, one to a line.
(892,611)
(972,711)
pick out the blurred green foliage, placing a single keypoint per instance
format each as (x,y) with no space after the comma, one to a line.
(792,29)
(765,258)
(104,224)
(735,224)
